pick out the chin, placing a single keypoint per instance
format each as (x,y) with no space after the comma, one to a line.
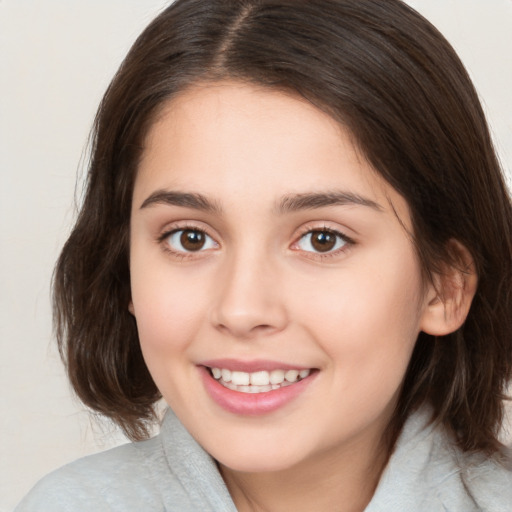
(257,464)
(253,457)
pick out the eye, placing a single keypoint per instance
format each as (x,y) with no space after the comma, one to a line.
(322,241)
(189,240)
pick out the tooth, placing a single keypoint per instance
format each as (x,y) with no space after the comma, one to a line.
(258,382)
(254,389)
(291,375)
(240,378)
(276,376)
(260,378)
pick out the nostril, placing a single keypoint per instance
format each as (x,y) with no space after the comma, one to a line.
(243,331)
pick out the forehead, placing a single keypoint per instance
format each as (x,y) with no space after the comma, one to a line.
(230,139)
(228,117)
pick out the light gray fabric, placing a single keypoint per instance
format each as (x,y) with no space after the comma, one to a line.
(169,472)
(172,473)
(427,473)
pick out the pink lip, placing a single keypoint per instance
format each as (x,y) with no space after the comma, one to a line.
(255,365)
(249,404)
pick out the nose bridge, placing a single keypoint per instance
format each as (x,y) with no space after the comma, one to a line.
(249,299)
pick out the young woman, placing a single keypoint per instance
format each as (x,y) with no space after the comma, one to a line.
(296,231)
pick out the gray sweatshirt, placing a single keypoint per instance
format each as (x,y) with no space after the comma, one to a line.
(171,472)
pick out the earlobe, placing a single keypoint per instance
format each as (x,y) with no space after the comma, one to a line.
(449,297)
(131,308)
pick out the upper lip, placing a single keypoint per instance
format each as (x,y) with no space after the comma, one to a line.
(254,365)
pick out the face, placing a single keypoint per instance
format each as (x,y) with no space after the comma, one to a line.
(277,295)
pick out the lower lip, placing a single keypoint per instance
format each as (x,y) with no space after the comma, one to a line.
(252,404)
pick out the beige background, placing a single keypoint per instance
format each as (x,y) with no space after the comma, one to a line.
(56,59)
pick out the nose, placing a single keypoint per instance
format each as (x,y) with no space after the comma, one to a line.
(249,300)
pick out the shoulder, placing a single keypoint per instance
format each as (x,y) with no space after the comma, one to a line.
(428,472)
(121,479)
(484,482)
(168,472)
(488,481)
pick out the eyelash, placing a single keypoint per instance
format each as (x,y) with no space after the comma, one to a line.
(182,255)
(308,230)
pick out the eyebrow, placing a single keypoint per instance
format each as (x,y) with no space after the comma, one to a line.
(183,199)
(311,201)
(289,203)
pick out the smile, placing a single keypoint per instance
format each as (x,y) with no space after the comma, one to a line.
(257,382)
(255,388)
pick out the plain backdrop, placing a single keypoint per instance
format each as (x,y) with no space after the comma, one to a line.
(56,59)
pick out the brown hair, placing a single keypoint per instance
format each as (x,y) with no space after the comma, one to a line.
(389,76)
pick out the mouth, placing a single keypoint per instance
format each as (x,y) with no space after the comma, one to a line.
(257,387)
(261,381)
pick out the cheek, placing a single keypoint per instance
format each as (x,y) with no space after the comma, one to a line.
(168,315)
(367,318)
(168,307)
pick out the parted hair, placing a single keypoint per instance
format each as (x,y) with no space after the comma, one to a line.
(385,73)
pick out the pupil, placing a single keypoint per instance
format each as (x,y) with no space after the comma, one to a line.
(323,241)
(192,240)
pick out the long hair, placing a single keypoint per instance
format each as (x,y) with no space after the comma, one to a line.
(386,74)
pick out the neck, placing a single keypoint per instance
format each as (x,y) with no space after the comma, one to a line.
(339,481)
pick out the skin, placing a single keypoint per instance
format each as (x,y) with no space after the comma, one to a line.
(259,290)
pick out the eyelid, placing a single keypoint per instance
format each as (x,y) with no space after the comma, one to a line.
(191,224)
(309,228)
(176,227)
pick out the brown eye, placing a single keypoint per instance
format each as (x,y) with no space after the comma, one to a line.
(190,240)
(322,241)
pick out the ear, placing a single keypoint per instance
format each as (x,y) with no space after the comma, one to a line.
(131,309)
(449,296)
